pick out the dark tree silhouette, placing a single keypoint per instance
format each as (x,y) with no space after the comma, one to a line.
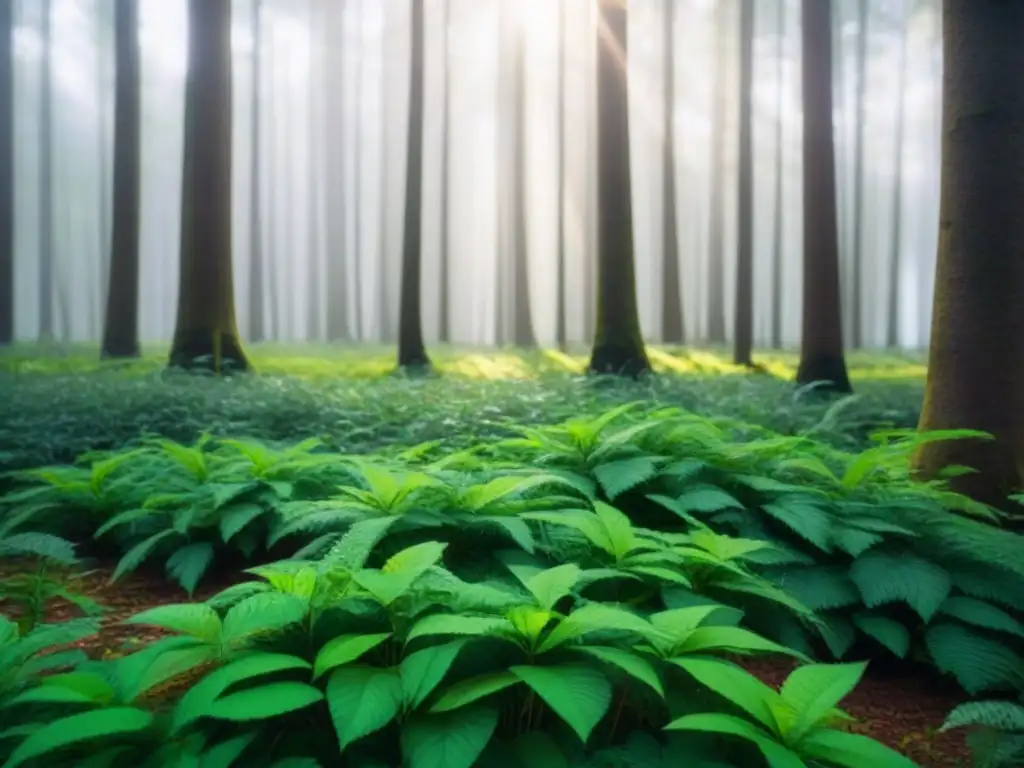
(206,334)
(672,328)
(976,362)
(618,342)
(121,329)
(777,237)
(716,212)
(6,172)
(821,347)
(743,341)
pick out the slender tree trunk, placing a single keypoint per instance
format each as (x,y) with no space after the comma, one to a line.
(313,313)
(716,244)
(6,172)
(357,164)
(821,349)
(46,213)
(206,334)
(522,326)
(976,363)
(777,237)
(618,343)
(857,263)
(561,334)
(893,305)
(106,222)
(273,313)
(446,140)
(743,342)
(121,329)
(256,269)
(672,328)
(412,352)
(337,279)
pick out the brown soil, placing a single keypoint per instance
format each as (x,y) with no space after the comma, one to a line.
(900,709)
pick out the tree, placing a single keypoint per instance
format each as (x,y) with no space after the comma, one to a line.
(892,336)
(6,173)
(618,343)
(976,362)
(561,333)
(206,333)
(672,329)
(522,320)
(46,214)
(256,268)
(777,218)
(860,118)
(716,211)
(121,328)
(821,346)
(412,353)
(744,318)
(446,142)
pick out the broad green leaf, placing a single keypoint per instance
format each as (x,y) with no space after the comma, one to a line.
(237,516)
(188,564)
(887,578)
(516,528)
(550,586)
(981,614)
(537,748)
(888,632)
(99,723)
(344,649)
(774,753)
(450,740)
(94,687)
(978,662)
(224,754)
(422,671)
(452,624)
(272,700)
(998,715)
(135,556)
(735,639)
(473,689)
(578,694)
(733,683)
(633,665)
(703,498)
(814,690)
(362,700)
(677,624)
(197,620)
(48,694)
(415,559)
(851,750)
(804,518)
(593,617)
(266,612)
(618,477)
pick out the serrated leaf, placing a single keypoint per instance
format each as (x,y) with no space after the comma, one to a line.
(99,723)
(550,586)
(978,613)
(421,672)
(578,694)
(703,498)
(197,620)
(138,554)
(344,649)
(618,477)
(888,632)
(238,516)
(887,578)
(452,624)
(467,691)
(261,703)
(978,663)
(804,518)
(814,690)
(188,564)
(451,740)
(362,700)
(593,617)
(262,613)
(998,715)
(628,662)
(733,683)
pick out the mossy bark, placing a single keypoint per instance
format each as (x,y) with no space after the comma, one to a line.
(976,360)
(618,343)
(121,326)
(412,352)
(821,346)
(6,172)
(206,332)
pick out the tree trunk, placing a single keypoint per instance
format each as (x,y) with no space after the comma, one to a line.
(893,305)
(618,343)
(561,334)
(6,173)
(46,214)
(256,269)
(206,334)
(777,237)
(857,257)
(522,323)
(357,165)
(412,352)
(672,329)
(337,279)
(743,333)
(313,313)
(976,362)
(716,246)
(121,329)
(446,141)
(821,347)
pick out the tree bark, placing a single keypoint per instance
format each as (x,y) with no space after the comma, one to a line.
(561,333)
(522,323)
(743,333)
(446,141)
(121,329)
(892,336)
(206,333)
(777,236)
(821,347)
(618,343)
(337,280)
(857,257)
(976,362)
(46,214)
(6,172)
(412,352)
(672,327)
(256,269)
(716,246)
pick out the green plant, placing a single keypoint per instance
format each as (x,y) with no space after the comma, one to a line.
(997,731)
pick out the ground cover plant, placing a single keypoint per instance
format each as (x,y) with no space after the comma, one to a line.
(637,552)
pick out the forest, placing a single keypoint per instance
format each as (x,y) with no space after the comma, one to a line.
(511,383)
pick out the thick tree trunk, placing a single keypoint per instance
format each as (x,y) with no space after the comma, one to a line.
(6,172)
(206,334)
(522,322)
(412,352)
(446,141)
(821,347)
(858,224)
(716,332)
(256,269)
(672,329)
(892,336)
(121,329)
(618,343)
(777,237)
(743,333)
(976,361)
(46,214)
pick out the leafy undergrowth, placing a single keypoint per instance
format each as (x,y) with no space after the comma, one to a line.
(590,583)
(60,404)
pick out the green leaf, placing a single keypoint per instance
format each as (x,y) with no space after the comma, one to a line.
(593,617)
(888,632)
(578,694)
(452,740)
(96,724)
(981,614)
(635,666)
(735,684)
(237,516)
(618,477)
(550,586)
(42,545)
(805,518)
(998,715)
(734,639)
(188,564)
(422,671)
(814,690)
(344,649)
(362,700)
(886,578)
(225,754)
(195,619)
(819,587)
(264,702)
(851,750)
(135,556)
(473,689)
(978,663)
(262,613)
(774,753)
(703,498)
(452,624)
(516,528)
